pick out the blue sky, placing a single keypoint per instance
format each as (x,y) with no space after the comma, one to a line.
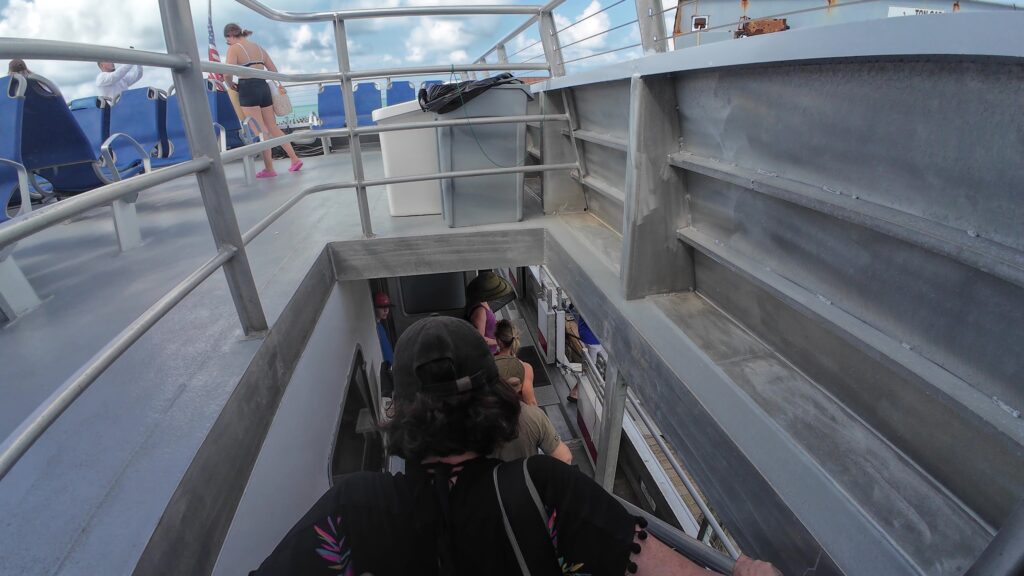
(375,43)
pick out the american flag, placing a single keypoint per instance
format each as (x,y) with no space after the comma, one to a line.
(214,55)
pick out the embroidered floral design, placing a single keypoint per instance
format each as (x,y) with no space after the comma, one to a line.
(568,568)
(333,548)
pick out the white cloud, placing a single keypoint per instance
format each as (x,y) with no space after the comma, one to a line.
(84,22)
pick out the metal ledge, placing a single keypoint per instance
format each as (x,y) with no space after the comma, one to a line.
(606,140)
(601,187)
(991,257)
(978,34)
(58,50)
(857,332)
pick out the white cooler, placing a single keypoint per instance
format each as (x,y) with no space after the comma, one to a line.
(409,153)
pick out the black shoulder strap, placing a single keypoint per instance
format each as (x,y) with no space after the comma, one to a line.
(525,524)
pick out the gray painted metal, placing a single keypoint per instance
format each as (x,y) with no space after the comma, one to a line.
(76,51)
(655,197)
(653,36)
(982,253)
(770,496)
(179,36)
(16,293)
(349,102)
(951,431)
(15,446)
(693,549)
(549,41)
(409,256)
(561,192)
(1005,554)
(334,15)
(47,216)
(613,409)
(189,535)
(682,474)
(979,34)
(599,139)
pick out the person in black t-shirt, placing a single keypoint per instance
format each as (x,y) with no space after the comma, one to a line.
(443,516)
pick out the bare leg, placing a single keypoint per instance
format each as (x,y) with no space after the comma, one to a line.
(270,121)
(255,112)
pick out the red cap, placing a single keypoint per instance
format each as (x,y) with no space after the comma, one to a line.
(381,300)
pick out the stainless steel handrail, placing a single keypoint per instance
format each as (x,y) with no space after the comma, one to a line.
(326,77)
(28,224)
(262,225)
(77,51)
(694,549)
(43,417)
(332,15)
(241,152)
(712,521)
(23,187)
(550,6)
(108,156)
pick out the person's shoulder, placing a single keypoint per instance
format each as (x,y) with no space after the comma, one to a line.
(367,488)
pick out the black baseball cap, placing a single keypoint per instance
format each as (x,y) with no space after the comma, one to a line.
(441,339)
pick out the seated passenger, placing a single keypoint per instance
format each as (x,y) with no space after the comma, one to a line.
(510,368)
(535,433)
(444,516)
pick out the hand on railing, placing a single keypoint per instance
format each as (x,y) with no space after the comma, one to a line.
(746,566)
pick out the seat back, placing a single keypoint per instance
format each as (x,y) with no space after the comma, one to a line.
(142,114)
(176,136)
(367,96)
(330,107)
(224,114)
(50,134)
(12,103)
(402,91)
(93,117)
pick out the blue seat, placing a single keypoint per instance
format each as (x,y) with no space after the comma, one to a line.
(142,114)
(402,91)
(93,117)
(330,108)
(177,139)
(11,112)
(52,143)
(367,96)
(224,114)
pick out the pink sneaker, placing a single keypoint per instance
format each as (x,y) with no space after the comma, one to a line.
(296,166)
(266,174)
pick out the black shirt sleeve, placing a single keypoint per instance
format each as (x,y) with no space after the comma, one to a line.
(592,532)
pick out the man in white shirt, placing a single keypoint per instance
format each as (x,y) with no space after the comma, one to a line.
(111,82)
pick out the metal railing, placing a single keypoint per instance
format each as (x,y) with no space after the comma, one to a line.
(183,60)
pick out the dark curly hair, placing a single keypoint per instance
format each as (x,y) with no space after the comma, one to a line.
(476,421)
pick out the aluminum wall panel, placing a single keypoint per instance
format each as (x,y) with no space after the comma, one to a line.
(604,108)
(937,139)
(962,319)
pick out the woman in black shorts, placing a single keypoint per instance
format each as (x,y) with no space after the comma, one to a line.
(254,93)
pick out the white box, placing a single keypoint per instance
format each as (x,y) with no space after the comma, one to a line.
(409,153)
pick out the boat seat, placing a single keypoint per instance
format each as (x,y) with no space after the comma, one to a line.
(401,91)
(140,113)
(367,96)
(222,113)
(330,108)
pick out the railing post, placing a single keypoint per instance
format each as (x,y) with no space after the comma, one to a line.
(502,55)
(611,427)
(549,40)
(351,121)
(652,26)
(213,185)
